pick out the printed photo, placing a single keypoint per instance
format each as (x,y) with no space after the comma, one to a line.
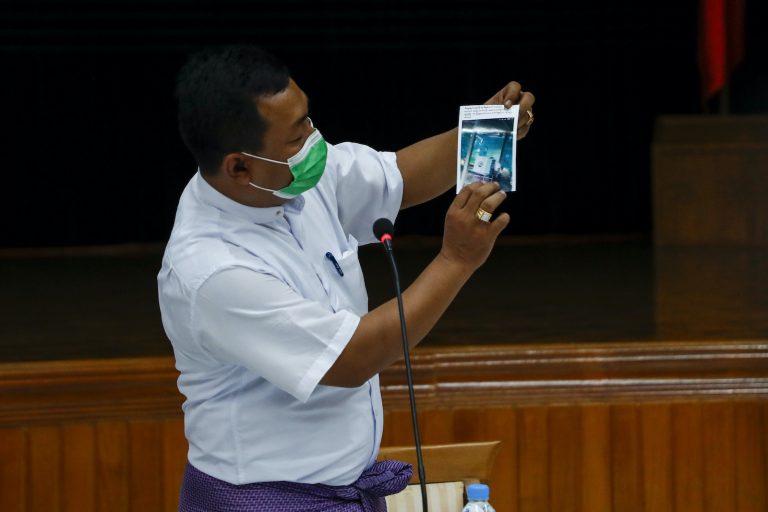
(487,150)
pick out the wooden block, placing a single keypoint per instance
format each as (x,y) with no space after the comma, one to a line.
(466,462)
(710,180)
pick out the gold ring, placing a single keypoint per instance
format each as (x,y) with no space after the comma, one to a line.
(483,215)
(530,117)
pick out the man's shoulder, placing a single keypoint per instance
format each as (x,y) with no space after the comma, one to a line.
(338,153)
(193,259)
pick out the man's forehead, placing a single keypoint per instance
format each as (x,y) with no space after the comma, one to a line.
(286,107)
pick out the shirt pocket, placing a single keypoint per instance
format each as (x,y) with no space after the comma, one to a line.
(348,290)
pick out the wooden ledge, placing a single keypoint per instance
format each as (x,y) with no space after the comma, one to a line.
(500,375)
(466,462)
(445,377)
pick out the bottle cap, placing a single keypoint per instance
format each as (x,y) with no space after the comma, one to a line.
(478,492)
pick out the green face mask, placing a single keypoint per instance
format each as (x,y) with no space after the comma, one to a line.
(306,166)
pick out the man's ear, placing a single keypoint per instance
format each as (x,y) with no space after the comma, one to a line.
(235,166)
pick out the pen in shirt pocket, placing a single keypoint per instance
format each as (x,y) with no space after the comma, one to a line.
(335,263)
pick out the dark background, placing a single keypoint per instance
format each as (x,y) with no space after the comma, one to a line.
(90,152)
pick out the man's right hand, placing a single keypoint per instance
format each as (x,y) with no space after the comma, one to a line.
(467,240)
(466,244)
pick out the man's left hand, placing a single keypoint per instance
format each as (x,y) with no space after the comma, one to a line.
(513,94)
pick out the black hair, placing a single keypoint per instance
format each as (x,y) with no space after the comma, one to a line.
(217,91)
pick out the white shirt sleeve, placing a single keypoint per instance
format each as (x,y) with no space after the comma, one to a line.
(251,319)
(369,186)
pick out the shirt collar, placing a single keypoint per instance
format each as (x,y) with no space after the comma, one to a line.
(209,195)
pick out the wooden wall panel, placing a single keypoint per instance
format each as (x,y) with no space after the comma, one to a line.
(44,469)
(597,495)
(688,446)
(584,428)
(112,466)
(565,480)
(719,438)
(626,458)
(145,483)
(751,477)
(655,426)
(533,458)
(13,469)
(401,436)
(174,459)
(437,426)
(500,424)
(78,468)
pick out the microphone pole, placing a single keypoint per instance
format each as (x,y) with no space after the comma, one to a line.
(383,229)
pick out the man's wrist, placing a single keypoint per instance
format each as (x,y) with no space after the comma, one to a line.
(456,267)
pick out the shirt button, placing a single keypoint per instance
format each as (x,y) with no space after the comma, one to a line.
(278,213)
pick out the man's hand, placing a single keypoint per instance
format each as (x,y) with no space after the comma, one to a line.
(467,240)
(429,166)
(466,244)
(513,94)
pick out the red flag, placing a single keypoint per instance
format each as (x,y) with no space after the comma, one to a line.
(721,42)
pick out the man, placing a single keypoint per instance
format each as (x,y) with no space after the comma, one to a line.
(263,298)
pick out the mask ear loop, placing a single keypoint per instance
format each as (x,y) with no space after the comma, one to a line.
(261,188)
(268,160)
(262,158)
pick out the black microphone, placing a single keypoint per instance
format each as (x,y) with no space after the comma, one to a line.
(383,230)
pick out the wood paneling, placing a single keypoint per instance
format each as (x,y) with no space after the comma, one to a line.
(533,461)
(78,469)
(705,455)
(145,477)
(587,428)
(751,477)
(112,465)
(688,446)
(564,482)
(719,438)
(499,423)
(655,426)
(14,460)
(710,180)
(44,487)
(174,459)
(626,453)
(596,458)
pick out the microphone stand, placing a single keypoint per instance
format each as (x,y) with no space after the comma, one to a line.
(387,242)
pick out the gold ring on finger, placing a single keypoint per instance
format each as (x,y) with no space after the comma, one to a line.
(483,215)
(530,117)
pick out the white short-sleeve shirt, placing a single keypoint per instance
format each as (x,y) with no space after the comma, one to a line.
(258,304)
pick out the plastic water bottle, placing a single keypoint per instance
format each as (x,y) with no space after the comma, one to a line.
(478,495)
